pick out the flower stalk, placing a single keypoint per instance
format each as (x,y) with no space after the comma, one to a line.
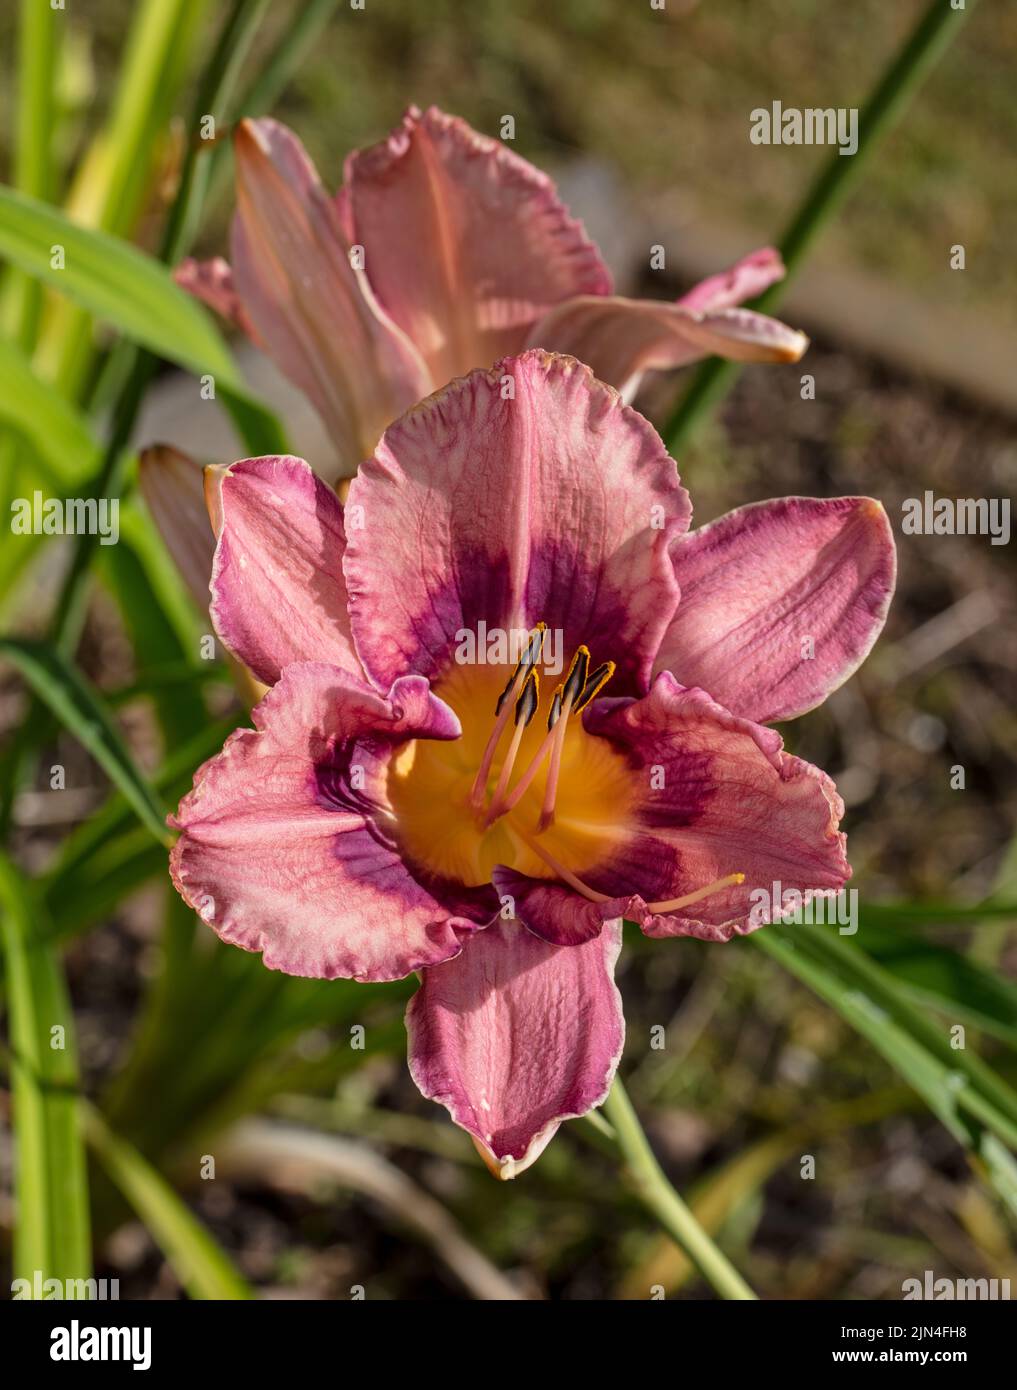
(659,1197)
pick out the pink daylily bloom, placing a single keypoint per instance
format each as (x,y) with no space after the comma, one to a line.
(414,798)
(443,251)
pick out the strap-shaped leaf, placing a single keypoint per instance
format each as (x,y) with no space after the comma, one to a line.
(201,1265)
(56,430)
(116,282)
(51,1181)
(78,707)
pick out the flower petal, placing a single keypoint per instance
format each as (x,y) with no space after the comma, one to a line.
(283,846)
(212,283)
(552,911)
(622,338)
(467,244)
(171,484)
(747,278)
(278,593)
(313,310)
(557,505)
(780,602)
(718,796)
(514,1036)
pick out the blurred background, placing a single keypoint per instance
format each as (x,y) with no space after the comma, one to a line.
(330,1170)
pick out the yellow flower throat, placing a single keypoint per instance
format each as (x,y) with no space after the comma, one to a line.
(534,791)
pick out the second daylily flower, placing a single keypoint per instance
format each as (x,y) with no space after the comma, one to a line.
(443,251)
(399,808)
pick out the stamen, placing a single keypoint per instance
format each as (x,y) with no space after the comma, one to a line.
(571,691)
(502,709)
(594,682)
(690,898)
(526,708)
(526,705)
(554,712)
(522,786)
(532,650)
(551,786)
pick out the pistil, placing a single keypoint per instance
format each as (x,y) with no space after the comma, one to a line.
(593,896)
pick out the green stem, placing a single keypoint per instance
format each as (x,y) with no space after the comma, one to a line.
(661,1198)
(909,68)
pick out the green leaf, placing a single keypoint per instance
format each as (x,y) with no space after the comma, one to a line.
(943,978)
(117,282)
(855,966)
(51,1184)
(181,709)
(110,855)
(963,1095)
(201,1265)
(56,430)
(73,701)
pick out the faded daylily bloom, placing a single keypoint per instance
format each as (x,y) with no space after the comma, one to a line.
(395,809)
(443,251)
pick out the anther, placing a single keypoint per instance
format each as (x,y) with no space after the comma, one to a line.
(555,710)
(526,705)
(595,682)
(575,681)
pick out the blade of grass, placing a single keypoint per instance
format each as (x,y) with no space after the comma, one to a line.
(715,1198)
(273,76)
(111,839)
(52,1235)
(199,1262)
(76,705)
(181,711)
(944,1089)
(922,49)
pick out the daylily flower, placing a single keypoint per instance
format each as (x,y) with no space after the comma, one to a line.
(442,251)
(411,800)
